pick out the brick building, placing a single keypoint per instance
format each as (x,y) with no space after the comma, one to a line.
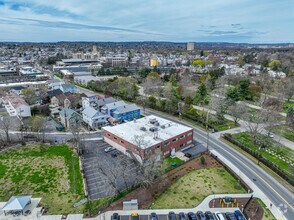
(143,136)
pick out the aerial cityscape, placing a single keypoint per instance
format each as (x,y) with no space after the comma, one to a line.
(135,110)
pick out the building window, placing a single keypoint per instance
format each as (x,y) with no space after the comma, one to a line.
(166,153)
(114,138)
(182,136)
(158,146)
(190,134)
(166,143)
(108,135)
(174,140)
(182,145)
(189,142)
(122,142)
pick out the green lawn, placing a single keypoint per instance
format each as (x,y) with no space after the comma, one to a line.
(51,173)
(223,125)
(284,131)
(286,105)
(168,162)
(247,139)
(192,188)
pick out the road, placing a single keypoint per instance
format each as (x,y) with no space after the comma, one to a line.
(277,193)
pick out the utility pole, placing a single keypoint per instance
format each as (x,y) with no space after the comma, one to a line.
(179,109)
(207,130)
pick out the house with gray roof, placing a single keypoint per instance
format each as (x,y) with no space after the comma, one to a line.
(70,117)
(94,118)
(110,107)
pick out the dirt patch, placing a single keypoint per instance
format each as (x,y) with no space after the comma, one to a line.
(146,196)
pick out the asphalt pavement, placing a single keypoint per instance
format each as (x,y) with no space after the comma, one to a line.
(276,192)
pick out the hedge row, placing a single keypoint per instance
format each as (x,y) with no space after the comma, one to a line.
(288,177)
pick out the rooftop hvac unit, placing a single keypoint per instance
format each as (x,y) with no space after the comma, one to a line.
(143,129)
(156,124)
(162,126)
(153,129)
(152,120)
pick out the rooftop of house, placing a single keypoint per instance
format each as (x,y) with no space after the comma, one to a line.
(14,99)
(126,108)
(140,128)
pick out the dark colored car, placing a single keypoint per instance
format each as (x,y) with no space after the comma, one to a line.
(239,215)
(115,216)
(114,154)
(230,216)
(192,216)
(182,216)
(172,216)
(188,155)
(209,215)
(153,216)
(201,215)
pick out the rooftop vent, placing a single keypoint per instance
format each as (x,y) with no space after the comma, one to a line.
(143,129)
(153,120)
(156,124)
(153,129)
(162,126)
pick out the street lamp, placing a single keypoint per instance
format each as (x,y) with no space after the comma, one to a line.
(207,140)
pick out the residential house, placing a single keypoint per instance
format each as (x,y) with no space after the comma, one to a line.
(94,118)
(54,84)
(16,105)
(67,100)
(54,92)
(126,112)
(110,107)
(70,117)
(69,88)
(96,101)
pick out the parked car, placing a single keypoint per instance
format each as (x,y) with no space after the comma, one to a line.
(192,216)
(230,216)
(182,216)
(135,216)
(209,215)
(239,215)
(201,215)
(153,216)
(271,135)
(219,216)
(108,149)
(114,154)
(172,216)
(115,216)
(188,155)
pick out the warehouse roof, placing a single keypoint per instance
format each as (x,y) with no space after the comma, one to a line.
(141,128)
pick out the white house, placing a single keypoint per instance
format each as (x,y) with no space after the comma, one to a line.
(94,118)
(16,106)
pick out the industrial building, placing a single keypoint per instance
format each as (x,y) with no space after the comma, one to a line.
(144,136)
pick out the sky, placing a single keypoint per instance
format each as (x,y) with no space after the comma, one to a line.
(236,21)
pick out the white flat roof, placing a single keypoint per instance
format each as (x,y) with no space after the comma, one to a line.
(128,131)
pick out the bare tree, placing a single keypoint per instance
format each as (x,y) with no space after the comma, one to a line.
(289,89)
(147,161)
(237,110)
(38,125)
(5,125)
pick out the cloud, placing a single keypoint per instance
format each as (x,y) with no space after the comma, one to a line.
(165,20)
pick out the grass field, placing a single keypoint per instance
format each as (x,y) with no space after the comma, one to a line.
(245,138)
(192,188)
(51,173)
(287,105)
(284,131)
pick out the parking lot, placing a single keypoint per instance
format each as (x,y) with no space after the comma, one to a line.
(105,174)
